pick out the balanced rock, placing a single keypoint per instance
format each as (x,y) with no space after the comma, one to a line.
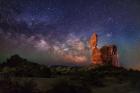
(106,55)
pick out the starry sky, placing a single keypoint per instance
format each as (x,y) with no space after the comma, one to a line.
(56,32)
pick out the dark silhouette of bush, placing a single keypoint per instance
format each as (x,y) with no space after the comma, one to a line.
(18,66)
(66,86)
(26,86)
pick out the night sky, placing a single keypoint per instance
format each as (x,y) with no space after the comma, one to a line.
(56,32)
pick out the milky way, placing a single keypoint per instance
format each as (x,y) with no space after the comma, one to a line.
(57,31)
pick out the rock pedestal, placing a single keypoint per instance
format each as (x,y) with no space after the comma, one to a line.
(96,56)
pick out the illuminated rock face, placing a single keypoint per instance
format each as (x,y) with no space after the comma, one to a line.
(110,55)
(96,53)
(93,41)
(105,55)
(96,56)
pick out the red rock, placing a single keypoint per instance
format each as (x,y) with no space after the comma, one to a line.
(106,55)
(93,41)
(110,55)
(96,56)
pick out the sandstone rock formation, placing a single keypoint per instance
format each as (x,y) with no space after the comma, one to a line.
(110,55)
(106,55)
(93,41)
(96,56)
(96,53)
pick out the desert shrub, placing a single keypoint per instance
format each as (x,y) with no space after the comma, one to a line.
(67,86)
(10,86)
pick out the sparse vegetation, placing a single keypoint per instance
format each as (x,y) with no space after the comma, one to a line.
(18,75)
